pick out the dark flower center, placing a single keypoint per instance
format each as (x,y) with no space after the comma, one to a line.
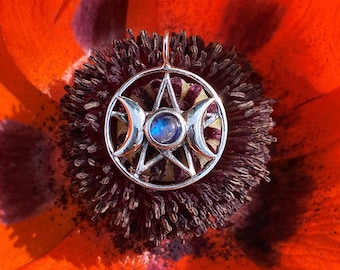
(144,214)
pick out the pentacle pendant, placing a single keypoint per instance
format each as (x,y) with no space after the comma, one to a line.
(164,136)
(166,130)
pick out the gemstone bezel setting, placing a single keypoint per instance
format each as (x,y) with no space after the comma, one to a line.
(178,136)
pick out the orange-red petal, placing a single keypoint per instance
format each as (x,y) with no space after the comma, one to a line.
(309,127)
(39,38)
(84,249)
(301,61)
(90,249)
(316,242)
(30,239)
(195,17)
(299,65)
(143,15)
(27,240)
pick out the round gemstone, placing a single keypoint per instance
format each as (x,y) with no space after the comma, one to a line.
(165,128)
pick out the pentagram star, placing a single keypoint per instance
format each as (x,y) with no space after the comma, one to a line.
(166,86)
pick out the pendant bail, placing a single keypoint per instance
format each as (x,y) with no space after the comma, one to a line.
(166,48)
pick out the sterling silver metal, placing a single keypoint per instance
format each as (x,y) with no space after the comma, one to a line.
(138,138)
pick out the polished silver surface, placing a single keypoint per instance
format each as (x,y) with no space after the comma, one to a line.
(139,137)
(135,120)
(195,123)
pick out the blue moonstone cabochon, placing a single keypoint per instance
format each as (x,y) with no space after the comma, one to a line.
(165,128)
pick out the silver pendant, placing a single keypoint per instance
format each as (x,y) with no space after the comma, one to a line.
(165,133)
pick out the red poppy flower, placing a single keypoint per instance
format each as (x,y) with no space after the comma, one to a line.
(292,222)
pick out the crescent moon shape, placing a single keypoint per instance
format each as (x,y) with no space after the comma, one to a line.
(134,136)
(195,123)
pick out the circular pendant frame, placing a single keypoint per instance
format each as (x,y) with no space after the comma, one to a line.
(136,117)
